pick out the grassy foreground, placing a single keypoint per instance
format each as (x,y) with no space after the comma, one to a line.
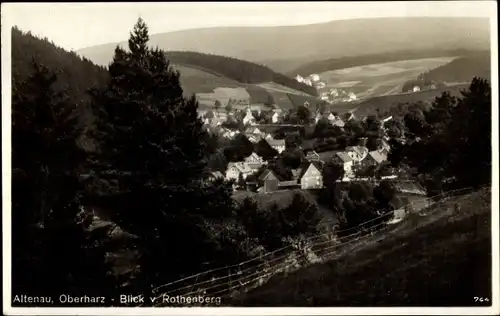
(443,259)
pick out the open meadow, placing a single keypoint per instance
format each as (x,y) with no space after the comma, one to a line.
(380,79)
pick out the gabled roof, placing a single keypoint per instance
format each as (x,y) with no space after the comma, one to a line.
(338,122)
(217,174)
(360,150)
(242,167)
(378,156)
(308,165)
(312,154)
(251,130)
(253,155)
(267,173)
(327,156)
(344,156)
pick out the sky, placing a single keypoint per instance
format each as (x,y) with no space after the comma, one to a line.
(78,25)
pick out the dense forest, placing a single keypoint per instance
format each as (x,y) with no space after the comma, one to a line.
(353,61)
(76,74)
(236,69)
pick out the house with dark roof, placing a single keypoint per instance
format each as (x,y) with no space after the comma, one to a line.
(342,158)
(327,156)
(312,156)
(375,158)
(215,176)
(269,181)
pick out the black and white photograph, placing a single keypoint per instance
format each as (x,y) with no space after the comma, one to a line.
(250,158)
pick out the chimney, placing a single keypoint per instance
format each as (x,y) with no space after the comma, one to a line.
(362,141)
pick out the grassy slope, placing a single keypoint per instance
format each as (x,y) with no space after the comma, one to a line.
(369,106)
(374,80)
(440,260)
(319,66)
(196,79)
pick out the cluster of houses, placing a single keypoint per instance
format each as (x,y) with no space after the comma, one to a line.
(217,117)
(310,174)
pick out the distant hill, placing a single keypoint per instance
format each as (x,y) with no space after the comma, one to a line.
(320,66)
(235,69)
(267,45)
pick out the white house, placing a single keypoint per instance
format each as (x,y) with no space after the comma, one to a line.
(254,139)
(345,160)
(416,89)
(278,144)
(254,161)
(249,119)
(312,178)
(299,78)
(317,117)
(314,77)
(276,117)
(234,169)
(357,153)
(252,131)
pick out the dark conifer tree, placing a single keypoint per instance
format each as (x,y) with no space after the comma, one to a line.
(152,148)
(53,251)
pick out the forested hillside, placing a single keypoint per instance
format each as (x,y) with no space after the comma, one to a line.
(320,66)
(76,74)
(462,69)
(236,69)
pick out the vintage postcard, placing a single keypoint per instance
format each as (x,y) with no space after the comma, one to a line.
(250,158)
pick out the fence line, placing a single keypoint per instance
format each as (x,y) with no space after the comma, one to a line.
(238,265)
(296,253)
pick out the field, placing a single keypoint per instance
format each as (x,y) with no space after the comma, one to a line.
(209,86)
(380,79)
(369,106)
(442,259)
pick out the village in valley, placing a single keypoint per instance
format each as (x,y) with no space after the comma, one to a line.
(287,134)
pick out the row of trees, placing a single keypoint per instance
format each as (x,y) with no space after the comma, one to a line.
(451,141)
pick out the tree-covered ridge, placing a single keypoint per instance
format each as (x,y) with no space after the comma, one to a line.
(237,69)
(462,69)
(75,74)
(320,66)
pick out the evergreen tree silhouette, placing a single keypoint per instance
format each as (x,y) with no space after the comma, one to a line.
(152,146)
(53,250)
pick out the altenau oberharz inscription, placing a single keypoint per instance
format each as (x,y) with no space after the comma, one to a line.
(63,299)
